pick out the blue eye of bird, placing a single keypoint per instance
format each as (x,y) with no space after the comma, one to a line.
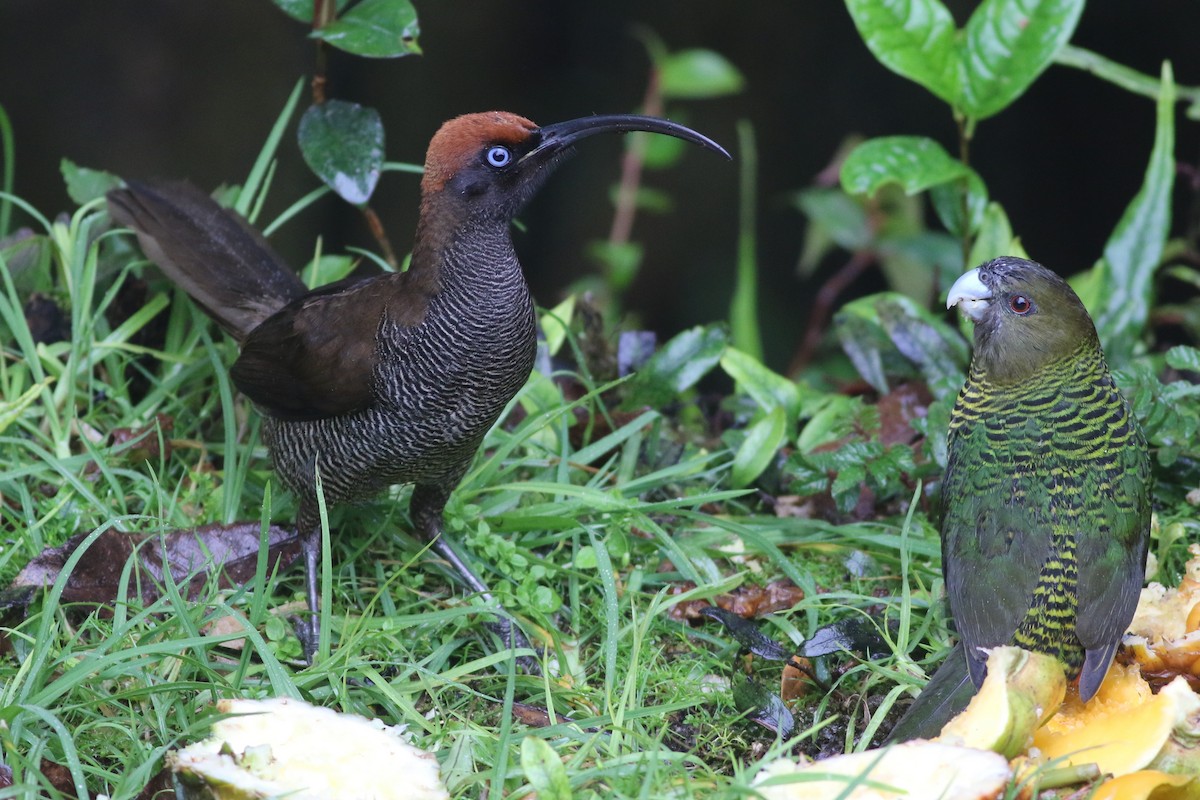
(499,156)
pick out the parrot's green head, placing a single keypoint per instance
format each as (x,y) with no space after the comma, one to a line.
(1026,318)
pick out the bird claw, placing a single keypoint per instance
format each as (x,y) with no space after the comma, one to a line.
(513,638)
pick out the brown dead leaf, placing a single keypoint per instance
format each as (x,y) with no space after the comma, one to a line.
(145,443)
(796,680)
(748,602)
(190,555)
(898,408)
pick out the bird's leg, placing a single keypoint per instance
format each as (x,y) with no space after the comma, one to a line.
(427,508)
(308,528)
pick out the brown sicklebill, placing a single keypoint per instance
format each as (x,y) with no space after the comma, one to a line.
(395,378)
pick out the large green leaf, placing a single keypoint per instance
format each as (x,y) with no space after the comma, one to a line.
(768,389)
(376,29)
(343,144)
(1121,288)
(1003,48)
(1006,45)
(676,367)
(916,163)
(763,440)
(913,38)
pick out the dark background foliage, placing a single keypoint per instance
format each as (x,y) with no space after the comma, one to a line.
(185,88)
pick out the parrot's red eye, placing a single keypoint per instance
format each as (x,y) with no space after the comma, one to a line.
(1020,304)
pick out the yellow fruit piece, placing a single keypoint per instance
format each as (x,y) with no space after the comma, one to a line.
(917,769)
(281,747)
(1020,691)
(1125,727)
(1164,636)
(1149,785)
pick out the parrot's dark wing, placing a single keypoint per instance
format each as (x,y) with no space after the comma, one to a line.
(995,536)
(1112,551)
(943,698)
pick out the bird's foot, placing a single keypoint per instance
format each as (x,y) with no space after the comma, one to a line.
(512,638)
(308,631)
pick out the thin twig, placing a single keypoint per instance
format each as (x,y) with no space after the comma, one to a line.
(822,307)
(631,169)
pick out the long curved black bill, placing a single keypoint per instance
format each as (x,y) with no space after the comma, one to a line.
(561,135)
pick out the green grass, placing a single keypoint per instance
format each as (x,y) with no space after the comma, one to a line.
(605,536)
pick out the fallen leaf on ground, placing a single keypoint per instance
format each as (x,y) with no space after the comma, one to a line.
(191,556)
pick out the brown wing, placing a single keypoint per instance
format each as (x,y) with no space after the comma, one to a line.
(317,356)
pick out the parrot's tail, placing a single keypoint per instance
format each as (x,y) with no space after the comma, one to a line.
(943,698)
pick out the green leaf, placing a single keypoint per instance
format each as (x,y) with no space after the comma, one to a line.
(375,29)
(915,162)
(950,206)
(763,440)
(889,334)
(1124,278)
(925,340)
(913,38)
(833,216)
(994,238)
(698,74)
(1006,45)
(85,185)
(768,389)
(620,260)
(676,367)
(544,769)
(1185,358)
(660,152)
(343,144)
(555,323)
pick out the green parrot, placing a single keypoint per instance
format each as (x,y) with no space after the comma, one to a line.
(1046,495)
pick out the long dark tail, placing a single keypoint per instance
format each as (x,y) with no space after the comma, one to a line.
(210,252)
(946,694)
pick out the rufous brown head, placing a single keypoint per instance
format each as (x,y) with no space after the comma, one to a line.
(495,161)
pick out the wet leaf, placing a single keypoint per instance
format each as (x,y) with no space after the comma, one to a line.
(678,365)
(747,634)
(190,555)
(854,634)
(762,706)
(914,39)
(375,29)
(343,144)
(1006,45)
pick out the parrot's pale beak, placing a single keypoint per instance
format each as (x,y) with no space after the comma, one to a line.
(970,293)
